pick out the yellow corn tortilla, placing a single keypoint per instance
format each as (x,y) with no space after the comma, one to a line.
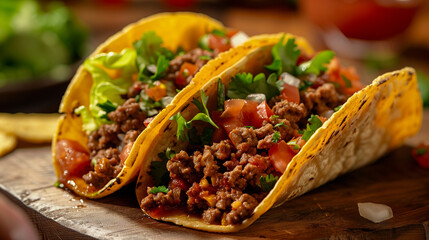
(373,121)
(176,29)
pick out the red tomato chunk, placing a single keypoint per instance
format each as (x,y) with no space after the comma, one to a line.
(72,157)
(280,155)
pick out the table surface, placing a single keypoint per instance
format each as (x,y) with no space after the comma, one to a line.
(27,177)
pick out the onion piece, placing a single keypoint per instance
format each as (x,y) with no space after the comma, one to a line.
(375,212)
(290,79)
(256,97)
(152,68)
(166,100)
(327,114)
(238,39)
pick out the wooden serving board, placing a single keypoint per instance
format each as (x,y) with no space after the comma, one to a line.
(329,211)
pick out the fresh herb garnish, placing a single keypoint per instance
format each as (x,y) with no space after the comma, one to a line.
(421,151)
(243,84)
(107,107)
(149,51)
(336,109)
(317,64)
(93,162)
(423,81)
(58,184)
(148,105)
(294,145)
(249,127)
(219,32)
(276,137)
(202,139)
(159,189)
(305,84)
(314,124)
(205,57)
(275,116)
(203,115)
(268,182)
(220,95)
(347,81)
(284,57)
(158,170)
(280,124)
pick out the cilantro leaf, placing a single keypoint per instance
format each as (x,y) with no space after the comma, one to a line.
(268,182)
(219,32)
(149,51)
(347,81)
(276,137)
(243,84)
(107,107)
(305,84)
(159,189)
(205,57)
(161,66)
(204,138)
(280,124)
(336,109)
(284,57)
(317,64)
(294,145)
(421,151)
(158,170)
(203,115)
(314,124)
(148,105)
(220,95)
(423,81)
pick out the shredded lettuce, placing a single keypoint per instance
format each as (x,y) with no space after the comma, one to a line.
(106,91)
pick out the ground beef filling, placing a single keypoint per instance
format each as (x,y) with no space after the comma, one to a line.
(106,143)
(221,182)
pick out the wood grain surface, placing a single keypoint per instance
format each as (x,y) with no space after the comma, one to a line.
(327,212)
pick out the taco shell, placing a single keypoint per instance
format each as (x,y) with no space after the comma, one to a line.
(176,29)
(372,122)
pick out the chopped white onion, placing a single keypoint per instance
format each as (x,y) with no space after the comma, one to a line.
(375,212)
(238,39)
(291,80)
(152,68)
(166,100)
(327,114)
(256,97)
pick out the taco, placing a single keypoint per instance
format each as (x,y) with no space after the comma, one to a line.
(277,123)
(122,90)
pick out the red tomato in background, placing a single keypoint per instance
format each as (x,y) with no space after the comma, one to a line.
(231,32)
(187,69)
(421,154)
(147,121)
(126,152)
(219,43)
(336,74)
(280,155)
(72,157)
(290,93)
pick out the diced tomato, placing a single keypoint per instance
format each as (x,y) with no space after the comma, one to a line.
(156,92)
(126,152)
(72,157)
(264,113)
(421,154)
(147,121)
(231,32)
(280,155)
(178,182)
(157,211)
(290,93)
(233,108)
(187,69)
(346,78)
(239,113)
(219,43)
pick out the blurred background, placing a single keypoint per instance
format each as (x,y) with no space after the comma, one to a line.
(43,42)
